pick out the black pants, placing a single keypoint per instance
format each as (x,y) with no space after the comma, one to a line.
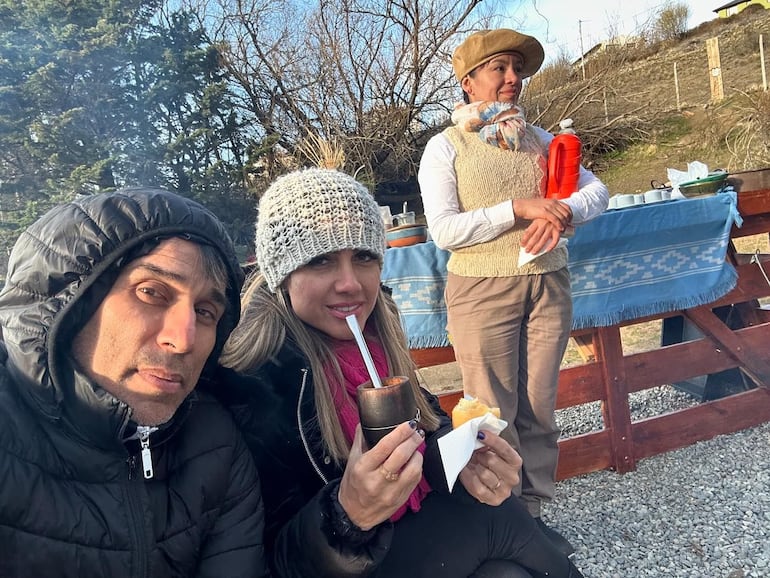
(452,536)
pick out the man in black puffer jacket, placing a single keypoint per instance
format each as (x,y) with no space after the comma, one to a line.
(111,464)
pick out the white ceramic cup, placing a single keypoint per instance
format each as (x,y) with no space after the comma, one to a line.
(387,218)
(653,196)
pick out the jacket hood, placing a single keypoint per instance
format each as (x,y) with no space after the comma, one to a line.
(64,264)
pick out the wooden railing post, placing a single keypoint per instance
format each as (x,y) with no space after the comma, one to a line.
(615,408)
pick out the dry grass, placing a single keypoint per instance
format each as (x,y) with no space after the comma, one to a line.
(747,138)
(323,153)
(753,243)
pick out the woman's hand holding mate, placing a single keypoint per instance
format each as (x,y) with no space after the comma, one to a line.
(378,481)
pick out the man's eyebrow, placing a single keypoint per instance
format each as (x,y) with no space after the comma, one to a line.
(215,294)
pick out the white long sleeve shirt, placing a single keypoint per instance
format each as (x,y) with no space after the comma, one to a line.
(452,228)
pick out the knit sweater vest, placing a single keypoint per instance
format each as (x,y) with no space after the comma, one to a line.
(488,175)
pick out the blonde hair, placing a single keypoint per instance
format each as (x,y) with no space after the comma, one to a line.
(268,320)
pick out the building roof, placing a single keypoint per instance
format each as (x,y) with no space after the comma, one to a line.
(731,4)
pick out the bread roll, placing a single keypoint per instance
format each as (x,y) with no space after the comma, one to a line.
(467,409)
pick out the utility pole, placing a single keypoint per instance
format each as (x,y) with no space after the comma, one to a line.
(582,50)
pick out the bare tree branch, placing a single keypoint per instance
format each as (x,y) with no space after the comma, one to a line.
(370,75)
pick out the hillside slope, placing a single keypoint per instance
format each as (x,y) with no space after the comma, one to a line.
(726,134)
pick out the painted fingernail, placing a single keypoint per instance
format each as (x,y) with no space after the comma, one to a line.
(481,435)
(413,424)
(421,432)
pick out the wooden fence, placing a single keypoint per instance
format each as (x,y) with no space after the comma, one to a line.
(611,375)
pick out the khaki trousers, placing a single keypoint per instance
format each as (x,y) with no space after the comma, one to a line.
(509,335)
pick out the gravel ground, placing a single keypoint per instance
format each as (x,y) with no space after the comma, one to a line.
(581,419)
(698,512)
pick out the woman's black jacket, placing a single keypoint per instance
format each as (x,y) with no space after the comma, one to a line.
(307,533)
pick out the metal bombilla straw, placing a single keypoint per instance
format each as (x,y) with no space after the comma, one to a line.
(365,353)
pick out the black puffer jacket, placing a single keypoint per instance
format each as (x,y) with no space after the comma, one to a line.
(307,533)
(73,500)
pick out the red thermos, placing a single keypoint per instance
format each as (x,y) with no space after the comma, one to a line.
(564,156)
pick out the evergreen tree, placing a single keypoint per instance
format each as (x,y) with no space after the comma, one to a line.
(62,101)
(99,94)
(185,100)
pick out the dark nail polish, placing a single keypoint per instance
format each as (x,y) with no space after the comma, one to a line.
(413,424)
(422,433)
(481,435)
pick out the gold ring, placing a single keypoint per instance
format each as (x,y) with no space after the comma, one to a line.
(388,475)
(499,481)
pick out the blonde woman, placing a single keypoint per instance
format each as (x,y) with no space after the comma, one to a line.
(335,507)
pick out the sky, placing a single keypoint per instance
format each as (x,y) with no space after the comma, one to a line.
(559,24)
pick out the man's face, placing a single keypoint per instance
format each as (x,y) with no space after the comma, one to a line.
(149,339)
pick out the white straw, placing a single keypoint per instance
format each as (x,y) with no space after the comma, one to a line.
(368,361)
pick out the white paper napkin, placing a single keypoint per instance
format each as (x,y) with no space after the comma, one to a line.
(525,257)
(457,446)
(695,170)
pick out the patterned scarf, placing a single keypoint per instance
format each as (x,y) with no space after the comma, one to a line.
(499,124)
(354,373)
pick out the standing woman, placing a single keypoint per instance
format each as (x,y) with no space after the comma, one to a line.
(482,182)
(335,507)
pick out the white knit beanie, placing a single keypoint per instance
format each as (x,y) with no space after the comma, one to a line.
(312,212)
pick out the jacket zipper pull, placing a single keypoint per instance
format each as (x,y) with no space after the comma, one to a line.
(144,439)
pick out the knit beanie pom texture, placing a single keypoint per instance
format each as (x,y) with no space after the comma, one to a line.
(309,213)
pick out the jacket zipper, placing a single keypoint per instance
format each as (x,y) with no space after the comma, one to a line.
(302,431)
(135,486)
(144,432)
